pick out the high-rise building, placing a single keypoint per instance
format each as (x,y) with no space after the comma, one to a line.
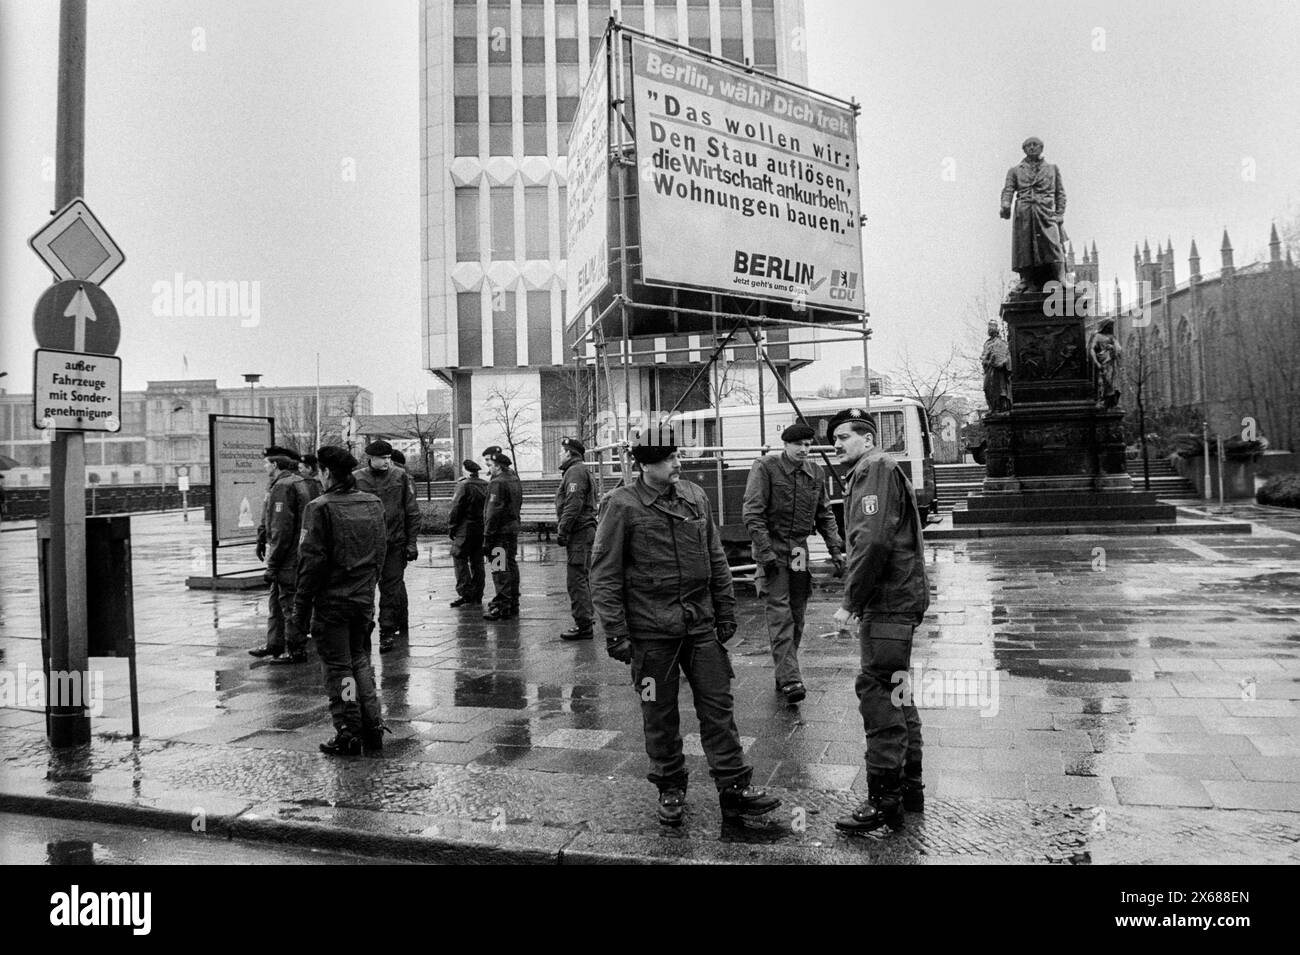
(500,84)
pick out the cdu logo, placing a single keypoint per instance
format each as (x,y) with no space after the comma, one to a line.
(844,285)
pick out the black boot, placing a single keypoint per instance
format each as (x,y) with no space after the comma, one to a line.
(745,802)
(343,744)
(577,633)
(372,738)
(884,805)
(913,791)
(672,806)
(387,641)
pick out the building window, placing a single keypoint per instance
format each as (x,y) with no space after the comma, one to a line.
(534,123)
(666,20)
(466,109)
(500,128)
(539,328)
(537,224)
(505,335)
(566,31)
(467,221)
(732,28)
(597,20)
(564,222)
(632,13)
(764,36)
(469,329)
(503,223)
(498,24)
(565,108)
(697,24)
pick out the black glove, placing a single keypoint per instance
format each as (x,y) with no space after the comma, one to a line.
(620,649)
(412,553)
(261,548)
(725,632)
(840,564)
(770,569)
(562,540)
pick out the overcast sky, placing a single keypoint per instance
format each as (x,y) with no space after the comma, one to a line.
(223,155)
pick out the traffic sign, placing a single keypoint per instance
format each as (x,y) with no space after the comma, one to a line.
(75,246)
(76,391)
(77,316)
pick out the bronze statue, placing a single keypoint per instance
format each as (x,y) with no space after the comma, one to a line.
(996,361)
(1105,354)
(1037,236)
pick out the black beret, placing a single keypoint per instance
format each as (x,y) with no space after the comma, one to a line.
(336,460)
(798,432)
(855,415)
(652,453)
(399,457)
(491,449)
(502,460)
(309,460)
(276,451)
(379,448)
(573,444)
(471,465)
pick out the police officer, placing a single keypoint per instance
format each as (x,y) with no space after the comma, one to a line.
(501,537)
(465,525)
(575,515)
(403,606)
(785,498)
(272,468)
(662,588)
(390,484)
(342,553)
(311,474)
(490,452)
(886,591)
(282,524)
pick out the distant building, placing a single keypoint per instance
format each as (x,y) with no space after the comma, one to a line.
(165,429)
(1225,345)
(851,382)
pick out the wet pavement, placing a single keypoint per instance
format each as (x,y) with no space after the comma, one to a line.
(1084,699)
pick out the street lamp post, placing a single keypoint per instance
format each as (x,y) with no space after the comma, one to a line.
(252,380)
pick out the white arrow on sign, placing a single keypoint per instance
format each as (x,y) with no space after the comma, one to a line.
(79,309)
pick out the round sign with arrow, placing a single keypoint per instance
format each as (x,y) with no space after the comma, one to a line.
(77,317)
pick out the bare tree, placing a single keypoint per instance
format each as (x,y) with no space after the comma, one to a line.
(829,391)
(729,387)
(932,382)
(515,416)
(425,427)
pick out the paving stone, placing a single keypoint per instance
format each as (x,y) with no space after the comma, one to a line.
(1161,791)
(1254,795)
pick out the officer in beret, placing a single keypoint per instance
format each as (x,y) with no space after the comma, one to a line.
(282,511)
(575,515)
(886,594)
(403,607)
(393,487)
(505,496)
(785,499)
(342,553)
(490,452)
(662,589)
(465,525)
(271,465)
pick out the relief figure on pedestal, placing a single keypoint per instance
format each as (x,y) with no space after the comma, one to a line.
(1105,354)
(996,362)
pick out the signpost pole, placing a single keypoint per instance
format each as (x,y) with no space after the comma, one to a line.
(69,725)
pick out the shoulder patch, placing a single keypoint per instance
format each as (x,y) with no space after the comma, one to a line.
(573,488)
(870,504)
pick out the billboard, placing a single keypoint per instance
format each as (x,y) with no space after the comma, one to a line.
(749,187)
(587,268)
(238,479)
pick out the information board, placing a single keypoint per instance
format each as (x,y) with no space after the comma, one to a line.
(749,187)
(239,480)
(587,266)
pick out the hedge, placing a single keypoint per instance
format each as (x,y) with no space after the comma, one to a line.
(1281,491)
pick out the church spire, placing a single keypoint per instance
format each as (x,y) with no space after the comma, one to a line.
(1225,253)
(1274,249)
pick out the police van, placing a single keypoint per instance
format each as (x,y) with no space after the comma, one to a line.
(720,462)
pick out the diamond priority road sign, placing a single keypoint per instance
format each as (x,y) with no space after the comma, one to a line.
(76,246)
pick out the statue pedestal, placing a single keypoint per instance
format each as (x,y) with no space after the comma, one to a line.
(1055,458)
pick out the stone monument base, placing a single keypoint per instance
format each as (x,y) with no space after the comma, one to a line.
(1077,506)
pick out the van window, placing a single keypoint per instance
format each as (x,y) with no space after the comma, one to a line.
(893,433)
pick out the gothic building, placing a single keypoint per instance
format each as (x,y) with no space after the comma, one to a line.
(1223,345)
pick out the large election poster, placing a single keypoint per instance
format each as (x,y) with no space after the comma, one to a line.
(239,479)
(748,187)
(587,267)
